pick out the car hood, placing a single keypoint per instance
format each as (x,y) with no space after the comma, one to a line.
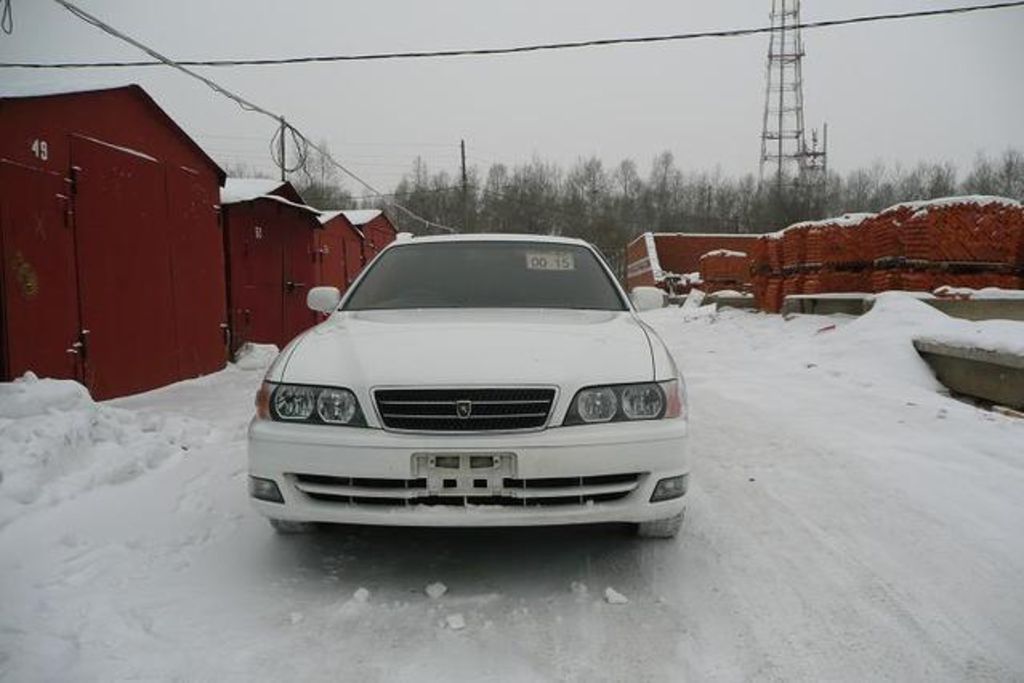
(567,348)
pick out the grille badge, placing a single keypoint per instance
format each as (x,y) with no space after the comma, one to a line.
(463,409)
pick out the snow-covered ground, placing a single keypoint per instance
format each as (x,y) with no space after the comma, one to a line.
(847,521)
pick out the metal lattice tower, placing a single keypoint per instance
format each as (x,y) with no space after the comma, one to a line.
(783,140)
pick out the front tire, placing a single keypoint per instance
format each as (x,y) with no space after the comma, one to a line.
(661,528)
(288,527)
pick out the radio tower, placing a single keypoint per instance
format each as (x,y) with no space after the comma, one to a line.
(783,141)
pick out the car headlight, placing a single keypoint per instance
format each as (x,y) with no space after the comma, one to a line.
(597,405)
(309,404)
(626,403)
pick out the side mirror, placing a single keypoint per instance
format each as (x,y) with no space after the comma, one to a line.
(323,299)
(647,298)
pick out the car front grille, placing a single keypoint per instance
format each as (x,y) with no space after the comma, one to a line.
(464,410)
(549,491)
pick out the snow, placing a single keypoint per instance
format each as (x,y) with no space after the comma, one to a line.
(847,520)
(986,293)
(847,220)
(120,148)
(455,622)
(436,590)
(652,258)
(358,217)
(731,294)
(724,252)
(56,443)
(237,190)
(255,356)
(922,207)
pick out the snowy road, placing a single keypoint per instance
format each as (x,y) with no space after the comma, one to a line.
(846,522)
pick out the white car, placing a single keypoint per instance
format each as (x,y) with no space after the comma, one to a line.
(474,380)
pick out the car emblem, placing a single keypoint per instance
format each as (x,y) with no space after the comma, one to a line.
(463,409)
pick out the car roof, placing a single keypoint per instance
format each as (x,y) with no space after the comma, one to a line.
(493,237)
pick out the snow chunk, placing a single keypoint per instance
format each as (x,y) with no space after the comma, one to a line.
(724,252)
(361,595)
(455,622)
(255,356)
(436,590)
(613,597)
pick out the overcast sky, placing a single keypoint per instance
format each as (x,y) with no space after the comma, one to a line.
(930,89)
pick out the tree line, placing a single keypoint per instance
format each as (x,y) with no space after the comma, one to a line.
(609,206)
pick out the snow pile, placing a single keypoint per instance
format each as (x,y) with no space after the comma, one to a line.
(880,344)
(56,443)
(255,356)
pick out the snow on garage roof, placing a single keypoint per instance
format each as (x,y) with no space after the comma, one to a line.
(238,190)
(359,217)
(246,189)
(328,216)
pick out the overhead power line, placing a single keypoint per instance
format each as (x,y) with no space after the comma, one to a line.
(538,47)
(246,105)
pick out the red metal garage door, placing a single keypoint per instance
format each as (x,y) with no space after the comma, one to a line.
(40,303)
(330,257)
(300,275)
(198,267)
(257,279)
(124,266)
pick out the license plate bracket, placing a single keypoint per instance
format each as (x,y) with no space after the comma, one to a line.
(463,474)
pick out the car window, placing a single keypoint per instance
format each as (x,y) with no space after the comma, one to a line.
(486,275)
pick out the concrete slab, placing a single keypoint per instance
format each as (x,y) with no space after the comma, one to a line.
(989,375)
(858,303)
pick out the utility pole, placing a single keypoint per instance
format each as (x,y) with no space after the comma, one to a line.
(465,188)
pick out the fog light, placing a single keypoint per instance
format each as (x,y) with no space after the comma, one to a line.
(672,487)
(265,489)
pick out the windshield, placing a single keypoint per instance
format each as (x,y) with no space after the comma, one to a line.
(486,275)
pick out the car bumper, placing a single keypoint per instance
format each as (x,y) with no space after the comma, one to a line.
(348,463)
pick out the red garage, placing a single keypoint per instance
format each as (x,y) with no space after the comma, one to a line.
(377,230)
(339,250)
(113,264)
(271,245)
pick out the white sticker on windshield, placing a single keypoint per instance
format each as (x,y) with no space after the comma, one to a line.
(550,260)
